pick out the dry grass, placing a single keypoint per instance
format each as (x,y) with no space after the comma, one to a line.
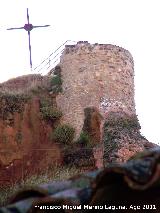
(49,176)
(24,84)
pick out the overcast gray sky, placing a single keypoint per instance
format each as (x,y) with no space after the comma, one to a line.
(132,24)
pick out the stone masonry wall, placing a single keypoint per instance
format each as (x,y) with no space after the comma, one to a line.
(99,75)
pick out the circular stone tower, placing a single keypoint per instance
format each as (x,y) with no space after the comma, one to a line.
(95,75)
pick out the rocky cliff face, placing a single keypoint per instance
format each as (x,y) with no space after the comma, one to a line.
(26,145)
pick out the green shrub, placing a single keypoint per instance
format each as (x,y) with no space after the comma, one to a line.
(56,89)
(11,103)
(45,102)
(56,80)
(50,113)
(84,139)
(56,84)
(64,134)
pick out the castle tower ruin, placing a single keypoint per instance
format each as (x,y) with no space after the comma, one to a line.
(99,75)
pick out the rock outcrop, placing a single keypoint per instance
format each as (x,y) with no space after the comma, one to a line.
(26,145)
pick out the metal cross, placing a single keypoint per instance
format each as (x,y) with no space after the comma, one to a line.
(28,27)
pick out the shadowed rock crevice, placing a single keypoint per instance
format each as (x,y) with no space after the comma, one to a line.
(92,124)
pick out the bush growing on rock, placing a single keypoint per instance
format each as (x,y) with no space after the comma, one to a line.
(84,139)
(11,103)
(56,82)
(50,113)
(45,102)
(64,134)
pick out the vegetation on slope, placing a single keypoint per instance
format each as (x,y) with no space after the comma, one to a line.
(119,128)
(56,81)
(64,134)
(50,175)
(11,103)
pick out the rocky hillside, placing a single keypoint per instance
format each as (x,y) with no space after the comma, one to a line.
(28,114)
